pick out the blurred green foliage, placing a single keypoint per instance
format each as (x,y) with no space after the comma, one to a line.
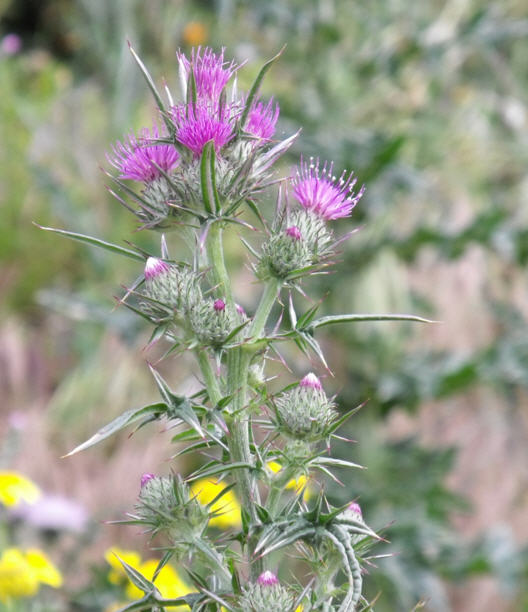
(426,101)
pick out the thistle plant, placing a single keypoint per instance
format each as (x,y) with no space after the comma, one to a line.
(205,166)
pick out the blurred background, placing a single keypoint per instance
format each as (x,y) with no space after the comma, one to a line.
(427,102)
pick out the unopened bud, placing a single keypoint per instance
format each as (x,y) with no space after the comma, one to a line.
(266,594)
(212,321)
(355,508)
(166,504)
(240,310)
(174,287)
(304,412)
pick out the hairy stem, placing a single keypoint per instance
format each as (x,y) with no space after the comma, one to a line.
(212,383)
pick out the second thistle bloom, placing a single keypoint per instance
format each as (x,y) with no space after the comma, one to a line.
(266,594)
(320,192)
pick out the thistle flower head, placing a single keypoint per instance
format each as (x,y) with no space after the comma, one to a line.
(138,158)
(197,125)
(262,119)
(211,72)
(211,321)
(320,192)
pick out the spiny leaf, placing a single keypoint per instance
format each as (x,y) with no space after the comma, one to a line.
(122,421)
(352,318)
(256,86)
(108,246)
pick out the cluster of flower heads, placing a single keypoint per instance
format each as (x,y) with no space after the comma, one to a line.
(166,161)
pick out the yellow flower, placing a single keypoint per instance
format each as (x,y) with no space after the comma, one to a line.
(22,573)
(227,506)
(15,488)
(297,484)
(43,568)
(194,33)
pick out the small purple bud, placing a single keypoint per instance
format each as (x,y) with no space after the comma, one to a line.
(240,310)
(267,578)
(294,232)
(311,381)
(219,305)
(356,508)
(154,267)
(145,478)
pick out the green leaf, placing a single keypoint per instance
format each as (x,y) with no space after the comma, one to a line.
(137,578)
(352,318)
(335,462)
(210,195)
(178,406)
(153,89)
(256,86)
(122,421)
(108,246)
(220,469)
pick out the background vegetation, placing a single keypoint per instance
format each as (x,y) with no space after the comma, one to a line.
(427,101)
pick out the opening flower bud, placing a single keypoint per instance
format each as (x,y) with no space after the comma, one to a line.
(154,268)
(219,305)
(267,578)
(145,478)
(311,381)
(294,232)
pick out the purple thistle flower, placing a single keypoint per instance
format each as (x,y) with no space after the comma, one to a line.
(311,381)
(146,478)
(294,232)
(11,44)
(154,267)
(219,305)
(211,72)
(137,159)
(321,193)
(262,119)
(197,126)
(267,578)
(240,310)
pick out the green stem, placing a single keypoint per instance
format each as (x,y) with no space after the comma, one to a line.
(267,300)
(277,489)
(211,379)
(215,256)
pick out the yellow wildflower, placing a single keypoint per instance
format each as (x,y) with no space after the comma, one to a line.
(22,573)
(227,506)
(15,488)
(43,568)
(297,484)
(194,33)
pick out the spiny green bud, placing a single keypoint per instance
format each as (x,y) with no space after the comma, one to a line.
(266,595)
(315,232)
(284,253)
(157,194)
(212,321)
(175,287)
(305,412)
(165,503)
